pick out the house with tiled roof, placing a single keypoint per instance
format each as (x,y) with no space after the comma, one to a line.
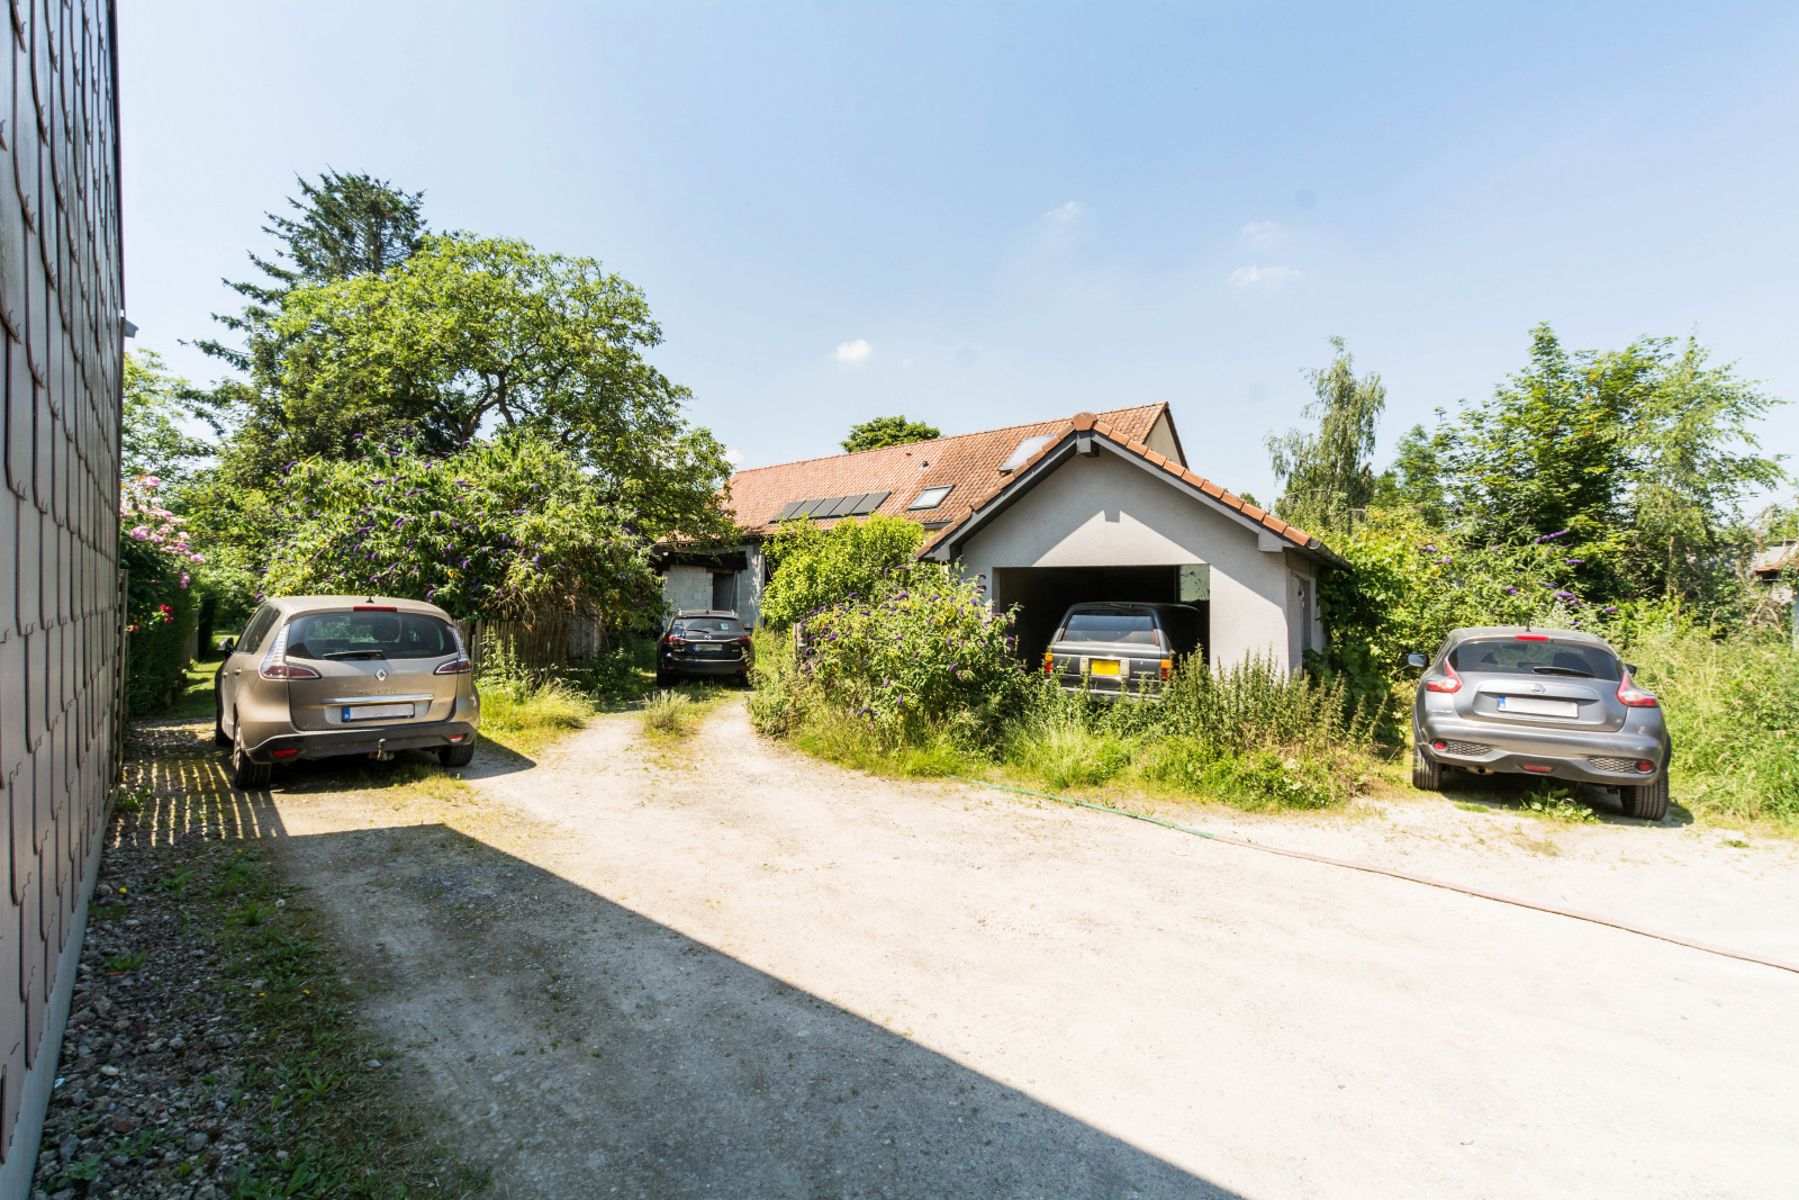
(1098,506)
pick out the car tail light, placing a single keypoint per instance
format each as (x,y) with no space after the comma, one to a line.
(457,737)
(1645,766)
(285,754)
(276,666)
(1538,768)
(673,642)
(745,640)
(1632,696)
(457,666)
(1167,669)
(1049,663)
(1533,637)
(1439,744)
(1448,682)
(373,608)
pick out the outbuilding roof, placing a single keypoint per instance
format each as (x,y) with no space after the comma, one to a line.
(1123,441)
(967,464)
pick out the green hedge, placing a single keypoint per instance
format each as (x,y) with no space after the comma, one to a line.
(157,651)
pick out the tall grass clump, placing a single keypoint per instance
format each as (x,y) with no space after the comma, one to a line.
(1732,708)
(524,714)
(670,714)
(1259,704)
(1253,736)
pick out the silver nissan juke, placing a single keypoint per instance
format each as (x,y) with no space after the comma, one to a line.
(1549,702)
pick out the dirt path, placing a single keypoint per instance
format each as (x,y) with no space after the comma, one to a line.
(723,969)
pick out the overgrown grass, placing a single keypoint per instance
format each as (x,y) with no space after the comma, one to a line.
(194,701)
(1254,737)
(1732,707)
(669,714)
(524,717)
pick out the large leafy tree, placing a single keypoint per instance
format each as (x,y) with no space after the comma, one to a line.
(1635,462)
(507,527)
(1549,453)
(471,335)
(1695,459)
(1325,475)
(341,226)
(1415,481)
(160,420)
(880,432)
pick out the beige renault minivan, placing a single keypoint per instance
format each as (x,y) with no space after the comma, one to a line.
(320,676)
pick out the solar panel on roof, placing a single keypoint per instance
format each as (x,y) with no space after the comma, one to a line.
(807,508)
(788,509)
(840,506)
(868,503)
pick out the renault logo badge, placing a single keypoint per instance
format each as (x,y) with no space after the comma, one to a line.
(380,672)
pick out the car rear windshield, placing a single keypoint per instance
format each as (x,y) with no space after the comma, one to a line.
(1516,656)
(1130,629)
(688,625)
(369,635)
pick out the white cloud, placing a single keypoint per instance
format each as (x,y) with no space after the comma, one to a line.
(734,457)
(855,352)
(1265,233)
(1064,214)
(906,364)
(1263,276)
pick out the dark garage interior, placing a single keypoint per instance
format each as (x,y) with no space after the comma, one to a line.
(1043,594)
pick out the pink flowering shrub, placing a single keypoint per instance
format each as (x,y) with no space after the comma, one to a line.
(160,611)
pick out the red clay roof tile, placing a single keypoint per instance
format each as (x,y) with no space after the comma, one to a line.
(968,464)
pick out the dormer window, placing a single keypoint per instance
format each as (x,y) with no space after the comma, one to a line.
(929,498)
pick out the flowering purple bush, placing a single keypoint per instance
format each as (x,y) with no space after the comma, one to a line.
(507,528)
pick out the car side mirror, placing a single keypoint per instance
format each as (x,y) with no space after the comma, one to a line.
(229,645)
(1416,661)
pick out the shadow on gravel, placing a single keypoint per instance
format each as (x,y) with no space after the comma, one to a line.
(1508,793)
(594,1051)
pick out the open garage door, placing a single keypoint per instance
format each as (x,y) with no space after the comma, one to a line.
(1043,594)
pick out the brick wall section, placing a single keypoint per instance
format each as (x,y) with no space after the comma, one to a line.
(61,296)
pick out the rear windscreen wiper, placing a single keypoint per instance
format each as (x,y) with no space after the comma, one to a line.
(357,654)
(1574,671)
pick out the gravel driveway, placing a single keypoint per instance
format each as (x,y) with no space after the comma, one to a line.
(719,968)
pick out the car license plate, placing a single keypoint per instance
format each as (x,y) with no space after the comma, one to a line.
(1104,666)
(1538,708)
(706,649)
(374,712)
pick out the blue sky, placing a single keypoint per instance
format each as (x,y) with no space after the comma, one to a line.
(983,214)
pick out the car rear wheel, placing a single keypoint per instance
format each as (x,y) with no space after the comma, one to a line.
(1427,776)
(248,776)
(1648,802)
(460,755)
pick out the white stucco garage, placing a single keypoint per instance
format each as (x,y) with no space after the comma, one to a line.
(1096,517)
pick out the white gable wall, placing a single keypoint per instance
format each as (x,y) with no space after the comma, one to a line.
(1104,511)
